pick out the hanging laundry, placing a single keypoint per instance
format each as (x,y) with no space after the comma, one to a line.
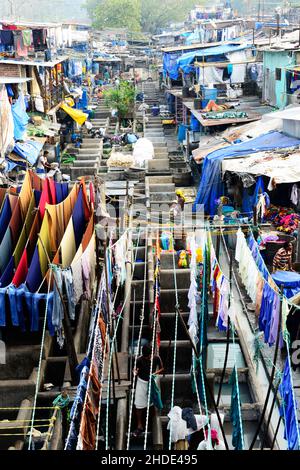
(76,410)
(58,310)
(88,425)
(69,289)
(68,245)
(20,117)
(88,266)
(39,40)
(6,38)
(189,417)
(20,48)
(289,409)
(27,37)
(76,268)
(155,395)
(120,249)
(235,413)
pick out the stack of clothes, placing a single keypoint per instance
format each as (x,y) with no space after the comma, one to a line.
(284,219)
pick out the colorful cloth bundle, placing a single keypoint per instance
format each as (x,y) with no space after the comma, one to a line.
(284,219)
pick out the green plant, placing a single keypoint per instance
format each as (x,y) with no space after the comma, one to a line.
(121,98)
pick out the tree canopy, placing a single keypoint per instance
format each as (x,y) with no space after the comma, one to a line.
(136,15)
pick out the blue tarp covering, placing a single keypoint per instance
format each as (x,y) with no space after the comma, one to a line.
(29,150)
(290,282)
(170,64)
(20,117)
(211,186)
(184,62)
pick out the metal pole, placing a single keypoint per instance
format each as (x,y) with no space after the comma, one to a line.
(276,433)
(262,416)
(269,418)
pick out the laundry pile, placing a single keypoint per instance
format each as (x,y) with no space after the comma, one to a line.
(284,219)
(226,115)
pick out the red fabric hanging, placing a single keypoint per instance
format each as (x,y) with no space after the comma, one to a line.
(48,195)
(22,270)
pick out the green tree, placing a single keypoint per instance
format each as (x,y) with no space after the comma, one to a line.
(115,14)
(157,14)
(146,15)
(121,98)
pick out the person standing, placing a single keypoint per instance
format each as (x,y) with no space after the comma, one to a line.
(143,374)
(283,259)
(43,166)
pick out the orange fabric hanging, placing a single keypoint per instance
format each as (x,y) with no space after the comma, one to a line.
(25,194)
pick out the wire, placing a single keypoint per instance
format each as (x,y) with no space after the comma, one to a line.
(177,307)
(40,363)
(112,350)
(142,317)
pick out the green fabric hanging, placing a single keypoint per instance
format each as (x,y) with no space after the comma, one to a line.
(237,431)
(155,396)
(203,322)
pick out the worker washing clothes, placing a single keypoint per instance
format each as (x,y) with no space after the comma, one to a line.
(43,166)
(283,259)
(142,372)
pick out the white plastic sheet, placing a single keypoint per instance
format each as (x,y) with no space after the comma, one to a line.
(143,151)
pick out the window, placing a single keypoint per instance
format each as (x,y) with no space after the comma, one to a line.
(278,74)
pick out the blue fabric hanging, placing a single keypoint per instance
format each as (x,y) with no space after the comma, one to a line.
(287,410)
(20,117)
(250,201)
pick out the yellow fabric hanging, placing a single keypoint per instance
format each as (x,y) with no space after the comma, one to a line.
(68,245)
(45,237)
(25,194)
(77,115)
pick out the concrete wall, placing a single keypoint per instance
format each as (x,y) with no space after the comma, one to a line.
(10,70)
(274,91)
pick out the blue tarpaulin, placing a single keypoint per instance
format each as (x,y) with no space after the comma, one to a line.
(20,117)
(186,60)
(170,64)
(29,150)
(211,186)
